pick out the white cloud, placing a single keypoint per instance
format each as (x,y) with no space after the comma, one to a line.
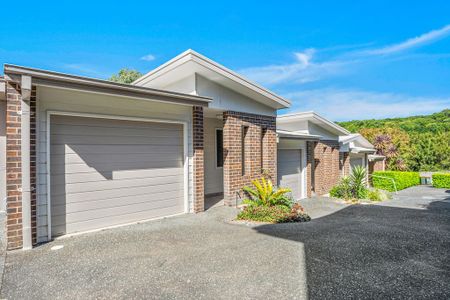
(148,57)
(302,70)
(348,104)
(412,42)
(306,68)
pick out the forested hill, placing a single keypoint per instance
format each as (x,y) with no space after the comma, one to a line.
(437,122)
(419,143)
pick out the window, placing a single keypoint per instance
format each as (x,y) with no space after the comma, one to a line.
(219,148)
(243,148)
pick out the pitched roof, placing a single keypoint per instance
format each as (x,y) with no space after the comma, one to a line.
(67,81)
(191,62)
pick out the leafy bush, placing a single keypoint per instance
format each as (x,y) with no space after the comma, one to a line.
(377,195)
(269,204)
(352,187)
(264,194)
(274,214)
(403,180)
(441,180)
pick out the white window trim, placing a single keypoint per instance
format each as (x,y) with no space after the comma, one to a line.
(215,147)
(115,117)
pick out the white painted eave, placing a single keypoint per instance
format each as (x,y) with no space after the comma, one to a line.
(297,135)
(315,118)
(190,63)
(376,157)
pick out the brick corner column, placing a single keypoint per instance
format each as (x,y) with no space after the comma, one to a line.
(310,145)
(346,163)
(13,167)
(231,167)
(198,159)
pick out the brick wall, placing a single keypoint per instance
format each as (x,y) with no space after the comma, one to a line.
(323,166)
(345,163)
(260,152)
(198,161)
(309,167)
(13,166)
(376,166)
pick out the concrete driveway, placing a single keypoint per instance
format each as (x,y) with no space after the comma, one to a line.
(399,249)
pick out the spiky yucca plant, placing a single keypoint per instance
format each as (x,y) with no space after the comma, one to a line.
(265,194)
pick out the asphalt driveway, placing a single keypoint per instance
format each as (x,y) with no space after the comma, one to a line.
(399,249)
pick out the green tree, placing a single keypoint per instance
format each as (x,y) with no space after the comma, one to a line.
(126,75)
(431,152)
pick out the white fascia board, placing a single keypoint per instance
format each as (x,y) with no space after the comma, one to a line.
(313,117)
(298,135)
(203,61)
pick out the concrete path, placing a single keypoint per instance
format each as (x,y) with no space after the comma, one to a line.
(397,249)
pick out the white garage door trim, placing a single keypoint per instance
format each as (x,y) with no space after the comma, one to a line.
(114,117)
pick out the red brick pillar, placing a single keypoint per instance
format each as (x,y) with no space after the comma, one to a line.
(345,164)
(310,167)
(198,160)
(327,173)
(13,166)
(260,146)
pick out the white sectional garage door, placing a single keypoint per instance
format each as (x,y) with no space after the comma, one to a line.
(289,171)
(107,172)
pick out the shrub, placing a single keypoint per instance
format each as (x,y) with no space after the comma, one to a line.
(377,195)
(342,190)
(403,180)
(352,187)
(358,182)
(441,180)
(274,214)
(264,194)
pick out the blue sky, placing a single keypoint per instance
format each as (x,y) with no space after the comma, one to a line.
(343,59)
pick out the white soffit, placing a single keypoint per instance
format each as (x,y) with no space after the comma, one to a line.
(190,63)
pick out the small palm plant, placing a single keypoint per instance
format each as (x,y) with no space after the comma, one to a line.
(358,182)
(265,194)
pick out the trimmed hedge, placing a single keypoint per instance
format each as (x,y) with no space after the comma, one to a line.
(441,180)
(403,180)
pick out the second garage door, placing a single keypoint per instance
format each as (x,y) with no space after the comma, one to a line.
(289,171)
(107,172)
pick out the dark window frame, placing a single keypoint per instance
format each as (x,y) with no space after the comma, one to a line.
(219,148)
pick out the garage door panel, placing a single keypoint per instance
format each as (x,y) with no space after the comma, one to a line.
(289,171)
(73,207)
(74,121)
(73,140)
(105,222)
(91,188)
(75,158)
(121,172)
(117,149)
(124,175)
(65,199)
(108,169)
(83,215)
(161,131)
